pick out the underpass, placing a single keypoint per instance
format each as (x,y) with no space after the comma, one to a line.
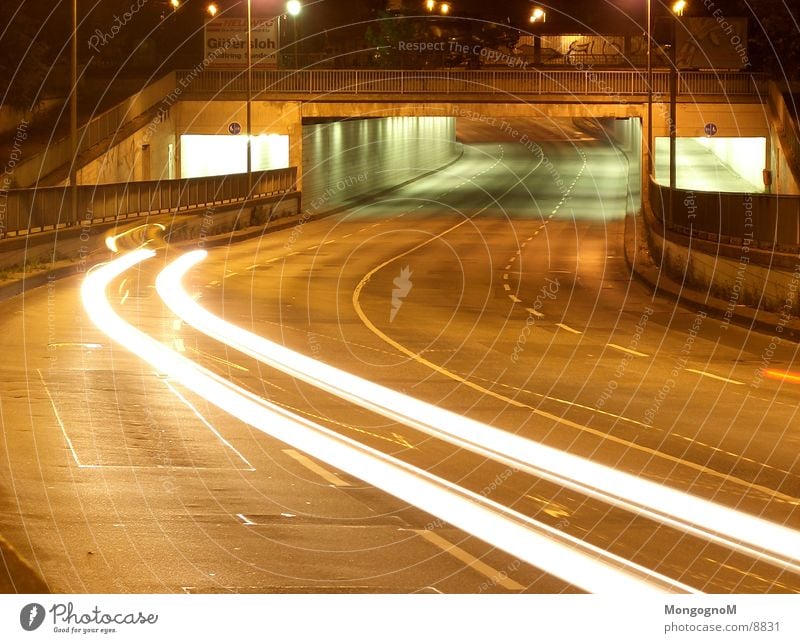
(496,288)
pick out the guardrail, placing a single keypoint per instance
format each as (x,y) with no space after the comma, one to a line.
(33,210)
(764,220)
(495,82)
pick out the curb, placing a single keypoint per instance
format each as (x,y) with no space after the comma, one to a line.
(642,266)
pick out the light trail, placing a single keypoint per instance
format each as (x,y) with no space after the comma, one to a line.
(580,564)
(736,530)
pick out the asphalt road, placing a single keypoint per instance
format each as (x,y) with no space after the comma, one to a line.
(115,478)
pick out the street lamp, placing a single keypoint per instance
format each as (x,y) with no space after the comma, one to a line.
(430,5)
(444,8)
(212,9)
(679,7)
(293,8)
(538,15)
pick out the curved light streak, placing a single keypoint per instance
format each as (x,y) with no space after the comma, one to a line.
(736,530)
(549,549)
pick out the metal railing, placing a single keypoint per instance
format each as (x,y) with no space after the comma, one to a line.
(39,209)
(508,83)
(764,220)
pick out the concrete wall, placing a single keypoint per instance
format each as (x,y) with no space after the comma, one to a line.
(726,272)
(345,160)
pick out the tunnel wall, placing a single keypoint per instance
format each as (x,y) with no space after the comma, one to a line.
(345,161)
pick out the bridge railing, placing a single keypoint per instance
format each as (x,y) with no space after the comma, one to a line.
(494,82)
(32,210)
(764,220)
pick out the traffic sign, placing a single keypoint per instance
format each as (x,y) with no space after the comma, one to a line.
(235,128)
(710,129)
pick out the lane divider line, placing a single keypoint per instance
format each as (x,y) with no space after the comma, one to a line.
(322,472)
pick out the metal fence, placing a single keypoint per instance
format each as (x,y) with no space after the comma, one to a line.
(38,209)
(766,220)
(495,82)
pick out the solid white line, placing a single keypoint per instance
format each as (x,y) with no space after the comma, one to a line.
(61,424)
(309,464)
(497,577)
(714,377)
(627,350)
(568,329)
(245,520)
(208,425)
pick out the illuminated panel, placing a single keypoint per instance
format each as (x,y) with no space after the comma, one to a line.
(207,155)
(703,518)
(547,548)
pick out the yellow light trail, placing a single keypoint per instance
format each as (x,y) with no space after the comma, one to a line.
(736,530)
(581,564)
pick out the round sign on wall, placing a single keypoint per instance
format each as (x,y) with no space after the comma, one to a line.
(710,129)
(236,128)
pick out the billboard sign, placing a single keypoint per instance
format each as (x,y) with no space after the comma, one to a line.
(229,35)
(711,43)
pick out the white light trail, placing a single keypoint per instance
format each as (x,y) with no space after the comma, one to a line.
(742,532)
(547,548)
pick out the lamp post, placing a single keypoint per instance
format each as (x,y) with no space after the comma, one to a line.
(73,117)
(293,8)
(677,10)
(650,166)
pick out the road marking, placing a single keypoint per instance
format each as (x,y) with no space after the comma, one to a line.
(515,299)
(348,235)
(230,274)
(245,520)
(253,267)
(569,330)
(506,287)
(179,345)
(309,464)
(213,283)
(508,267)
(61,424)
(177,324)
(334,241)
(218,359)
(208,425)
(772,493)
(497,577)
(714,377)
(534,312)
(505,276)
(630,351)
(124,297)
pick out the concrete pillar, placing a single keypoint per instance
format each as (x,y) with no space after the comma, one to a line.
(294,127)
